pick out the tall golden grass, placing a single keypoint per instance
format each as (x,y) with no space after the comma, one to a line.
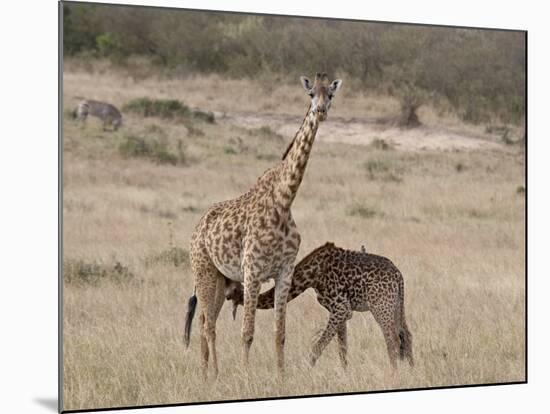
(452,221)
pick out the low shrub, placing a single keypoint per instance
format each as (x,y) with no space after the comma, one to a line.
(79,272)
(152,149)
(167,109)
(175,256)
(363,211)
(192,131)
(162,108)
(378,169)
(70,114)
(230,150)
(266,132)
(380,144)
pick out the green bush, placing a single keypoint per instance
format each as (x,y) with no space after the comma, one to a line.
(363,211)
(79,272)
(378,169)
(175,256)
(162,108)
(227,149)
(459,167)
(80,28)
(70,114)
(152,149)
(267,157)
(376,166)
(268,133)
(380,144)
(477,213)
(207,117)
(135,147)
(194,131)
(107,45)
(167,109)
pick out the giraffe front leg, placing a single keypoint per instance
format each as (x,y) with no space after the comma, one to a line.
(251,292)
(338,315)
(282,287)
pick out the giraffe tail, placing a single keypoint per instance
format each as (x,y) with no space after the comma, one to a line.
(191,306)
(405,345)
(405,337)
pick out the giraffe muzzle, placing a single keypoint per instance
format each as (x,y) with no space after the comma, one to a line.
(321,114)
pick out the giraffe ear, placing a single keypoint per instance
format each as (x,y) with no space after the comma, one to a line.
(335,86)
(306,83)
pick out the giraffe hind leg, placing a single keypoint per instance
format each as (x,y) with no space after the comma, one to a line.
(405,344)
(204,347)
(210,284)
(343,344)
(385,317)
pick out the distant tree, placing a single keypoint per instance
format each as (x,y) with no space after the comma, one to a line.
(79,28)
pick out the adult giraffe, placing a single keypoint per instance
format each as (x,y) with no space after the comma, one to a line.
(253,238)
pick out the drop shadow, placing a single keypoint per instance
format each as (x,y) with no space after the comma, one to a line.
(49,403)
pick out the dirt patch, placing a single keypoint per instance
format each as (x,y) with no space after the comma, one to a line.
(363,132)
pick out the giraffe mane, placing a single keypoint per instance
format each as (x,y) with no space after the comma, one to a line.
(327,245)
(294,139)
(319,78)
(289,147)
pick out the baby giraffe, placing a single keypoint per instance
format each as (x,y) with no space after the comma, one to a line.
(347,281)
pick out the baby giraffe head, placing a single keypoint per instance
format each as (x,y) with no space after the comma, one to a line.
(234,291)
(321,91)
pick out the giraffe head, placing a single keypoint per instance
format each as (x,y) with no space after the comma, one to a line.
(321,91)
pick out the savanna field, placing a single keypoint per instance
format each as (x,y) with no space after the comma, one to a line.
(445,202)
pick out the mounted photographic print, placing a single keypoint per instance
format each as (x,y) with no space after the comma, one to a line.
(266,206)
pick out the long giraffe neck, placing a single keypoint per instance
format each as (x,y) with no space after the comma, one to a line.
(304,277)
(295,161)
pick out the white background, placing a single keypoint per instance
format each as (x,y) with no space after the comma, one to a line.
(28,217)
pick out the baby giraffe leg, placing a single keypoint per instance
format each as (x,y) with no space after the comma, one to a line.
(343,344)
(282,287)
(384,316)
(339,314)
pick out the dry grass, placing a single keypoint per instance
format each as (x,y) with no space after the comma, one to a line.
(456,233)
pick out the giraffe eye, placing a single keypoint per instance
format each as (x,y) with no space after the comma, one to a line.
(311,94)
(330,97)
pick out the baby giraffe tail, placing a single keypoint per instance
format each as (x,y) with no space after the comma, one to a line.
(191,306)
(405,337)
